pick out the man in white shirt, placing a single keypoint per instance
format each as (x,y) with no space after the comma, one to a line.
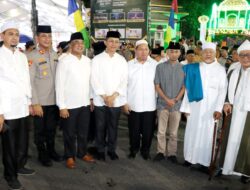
(73,100)
(198,138)
(141,100)
(15,101)
(109,82)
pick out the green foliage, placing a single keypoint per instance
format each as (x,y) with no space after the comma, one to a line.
(195,8)
(86,3)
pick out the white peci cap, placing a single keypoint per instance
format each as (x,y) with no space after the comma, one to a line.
(209,45)
(140,42)
(244,46)
(9,25)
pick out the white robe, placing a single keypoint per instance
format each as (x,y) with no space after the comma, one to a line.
(200,123)
(241,107)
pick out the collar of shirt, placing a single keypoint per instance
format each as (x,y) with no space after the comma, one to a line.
(108,56)
(7,50)
(149,59)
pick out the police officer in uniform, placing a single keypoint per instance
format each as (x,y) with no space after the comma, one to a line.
(43,61)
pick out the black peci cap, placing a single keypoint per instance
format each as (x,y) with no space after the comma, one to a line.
(43,29)
(113,34)
(174,45)
(76,36)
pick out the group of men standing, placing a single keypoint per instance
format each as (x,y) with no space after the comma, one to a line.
(41,86)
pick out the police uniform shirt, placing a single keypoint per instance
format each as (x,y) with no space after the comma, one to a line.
(42,74)
(15,85)
(109,75)
(73,82)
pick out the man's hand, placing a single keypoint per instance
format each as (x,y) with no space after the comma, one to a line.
(38,110)
(217,115)
(1,122)
(64,113)
(170,102)
(227,109)
(109,100)
(187,114)
(126,109)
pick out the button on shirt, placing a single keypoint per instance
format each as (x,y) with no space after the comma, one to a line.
(141,95)
(73,82)
(109,75)
(15,85)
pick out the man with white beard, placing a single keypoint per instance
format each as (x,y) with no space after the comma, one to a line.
(203,112)
(238,103)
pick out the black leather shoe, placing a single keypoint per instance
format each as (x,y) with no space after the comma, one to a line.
(145,156)
(44,158)
(14,184)
(173,159)
(159,156)
(26,171)
(132,155)
(113,156)
(101,156)
(187,164)
(245,179)
(55,157)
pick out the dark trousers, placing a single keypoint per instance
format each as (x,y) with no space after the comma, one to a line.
(75,131)
(141,127)
(15,143)
(106,120)
(45,128)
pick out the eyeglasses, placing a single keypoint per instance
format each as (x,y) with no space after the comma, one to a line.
(245,55)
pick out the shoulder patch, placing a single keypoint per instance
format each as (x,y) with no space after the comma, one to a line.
(30,62)
(41,51)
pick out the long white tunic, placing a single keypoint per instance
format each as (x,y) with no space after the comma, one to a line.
(200,124)
(109,75)
(15,85)
(73,82)
(240,103)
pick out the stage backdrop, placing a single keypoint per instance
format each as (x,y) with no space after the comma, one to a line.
(129,17)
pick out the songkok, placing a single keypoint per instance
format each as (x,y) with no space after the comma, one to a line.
(244,46)
(156,51)
(98,47)
(174,45)
(190,51)
(225,48)
(140,42)
(9,25)
(29,43)
(209,45)
(76,36)
(63,45)
(113,34)
(43,29)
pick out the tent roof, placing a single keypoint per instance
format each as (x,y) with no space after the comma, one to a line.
(50,12)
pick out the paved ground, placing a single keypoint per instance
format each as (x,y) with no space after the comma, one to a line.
(123,174)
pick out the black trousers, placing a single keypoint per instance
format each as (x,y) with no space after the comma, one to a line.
(75,132)
(141,128)
(15,143)
(45,128)
(106,123)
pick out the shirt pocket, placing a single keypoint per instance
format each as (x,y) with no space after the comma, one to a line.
(43,70)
